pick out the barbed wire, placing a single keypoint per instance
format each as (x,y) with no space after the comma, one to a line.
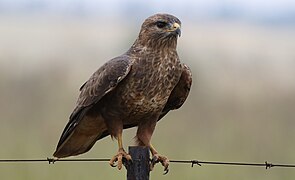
(266,164)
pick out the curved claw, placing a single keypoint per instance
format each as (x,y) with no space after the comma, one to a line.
(164,161)
(166,170)
(113,164)
(155,160)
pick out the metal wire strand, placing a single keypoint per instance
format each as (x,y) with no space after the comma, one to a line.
(266,164)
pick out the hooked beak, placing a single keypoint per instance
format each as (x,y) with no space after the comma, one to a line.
(176,29)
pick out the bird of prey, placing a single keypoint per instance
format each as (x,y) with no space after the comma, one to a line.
(137,88)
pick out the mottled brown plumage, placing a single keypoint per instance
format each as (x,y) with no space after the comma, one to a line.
(137,88)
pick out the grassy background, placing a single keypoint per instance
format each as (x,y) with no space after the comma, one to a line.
(241,106)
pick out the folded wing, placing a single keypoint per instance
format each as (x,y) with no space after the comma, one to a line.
(85,125)
(179,93)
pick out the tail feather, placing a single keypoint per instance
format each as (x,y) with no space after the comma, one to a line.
(82,137)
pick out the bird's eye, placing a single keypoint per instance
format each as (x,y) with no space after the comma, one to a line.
(161,24)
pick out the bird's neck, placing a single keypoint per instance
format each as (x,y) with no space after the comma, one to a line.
(155,44)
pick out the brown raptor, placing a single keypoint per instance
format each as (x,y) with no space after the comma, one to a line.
(137,88)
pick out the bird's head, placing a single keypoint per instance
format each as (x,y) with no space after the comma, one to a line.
(160,29)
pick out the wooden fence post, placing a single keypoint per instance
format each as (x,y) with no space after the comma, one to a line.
(139,169)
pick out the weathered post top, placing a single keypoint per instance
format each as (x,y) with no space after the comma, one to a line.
(139,168)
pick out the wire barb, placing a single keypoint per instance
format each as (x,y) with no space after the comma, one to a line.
(268,165)
(195,162)
(51,160)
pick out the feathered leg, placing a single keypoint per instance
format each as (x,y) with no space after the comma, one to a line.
(144,134)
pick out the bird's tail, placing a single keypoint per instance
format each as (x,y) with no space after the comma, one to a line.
(82,137)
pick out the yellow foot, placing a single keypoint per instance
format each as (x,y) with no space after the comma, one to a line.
(119,158)
(164,161)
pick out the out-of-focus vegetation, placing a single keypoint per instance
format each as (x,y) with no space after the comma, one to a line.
(241,106)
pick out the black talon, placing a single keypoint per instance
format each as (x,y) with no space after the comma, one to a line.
(155,160)
(127,162)
(113,165)
(166,171)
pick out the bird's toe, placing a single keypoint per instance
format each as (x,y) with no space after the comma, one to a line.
(159,158)
(119,157)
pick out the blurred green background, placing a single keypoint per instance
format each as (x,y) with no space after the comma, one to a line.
(241,106)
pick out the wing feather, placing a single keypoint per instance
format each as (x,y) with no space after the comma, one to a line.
(179,93)
(104,80)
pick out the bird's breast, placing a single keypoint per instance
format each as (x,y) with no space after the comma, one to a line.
(149,84)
